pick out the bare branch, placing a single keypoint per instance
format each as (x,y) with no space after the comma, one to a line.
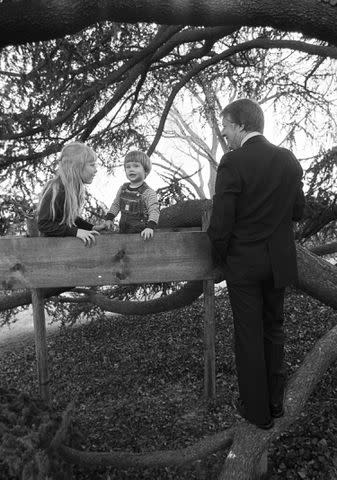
(257,43)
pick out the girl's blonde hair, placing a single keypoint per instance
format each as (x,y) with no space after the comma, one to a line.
(74,157)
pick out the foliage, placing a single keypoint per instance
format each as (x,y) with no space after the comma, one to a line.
(27,427)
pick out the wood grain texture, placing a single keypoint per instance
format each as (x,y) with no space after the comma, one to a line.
(115,259)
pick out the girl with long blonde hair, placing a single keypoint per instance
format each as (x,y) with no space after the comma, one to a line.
(63,196)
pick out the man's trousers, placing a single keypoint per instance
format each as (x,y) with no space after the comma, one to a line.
(259,345)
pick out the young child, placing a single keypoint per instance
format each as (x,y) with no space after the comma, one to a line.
(63,196)
(136,201)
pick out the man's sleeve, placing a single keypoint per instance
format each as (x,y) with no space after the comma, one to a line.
(228,186)
(299,204)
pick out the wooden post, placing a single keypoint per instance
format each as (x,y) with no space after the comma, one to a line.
(39,328)
(209,329)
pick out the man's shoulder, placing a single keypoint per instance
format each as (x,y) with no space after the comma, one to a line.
(229,157)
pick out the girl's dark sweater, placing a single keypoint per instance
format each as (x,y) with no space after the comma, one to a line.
(52,228)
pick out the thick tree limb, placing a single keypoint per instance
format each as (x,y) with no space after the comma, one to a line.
(22,21)
(325,249)
(22,298)
(183,297)
(159,458)
(317,277)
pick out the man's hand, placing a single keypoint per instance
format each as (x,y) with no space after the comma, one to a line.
(218,274)
(147,233)
(88,237)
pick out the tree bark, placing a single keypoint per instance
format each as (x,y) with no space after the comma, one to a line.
(325,249)
(317,277)
(22,21)
(21,298)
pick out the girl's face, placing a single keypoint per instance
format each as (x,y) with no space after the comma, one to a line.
(89,171)
(135,172)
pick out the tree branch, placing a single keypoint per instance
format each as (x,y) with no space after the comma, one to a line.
(22,22)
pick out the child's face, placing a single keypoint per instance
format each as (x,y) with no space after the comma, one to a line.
(89,171)
(135,172)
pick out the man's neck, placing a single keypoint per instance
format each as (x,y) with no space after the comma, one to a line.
(249,135)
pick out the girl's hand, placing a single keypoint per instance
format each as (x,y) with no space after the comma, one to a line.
(88,237)
(147,233)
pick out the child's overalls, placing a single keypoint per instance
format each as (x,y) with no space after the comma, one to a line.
(133,210)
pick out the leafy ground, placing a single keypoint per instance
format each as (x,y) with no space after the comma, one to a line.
(138,385)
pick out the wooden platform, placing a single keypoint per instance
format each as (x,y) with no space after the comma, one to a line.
(36,263)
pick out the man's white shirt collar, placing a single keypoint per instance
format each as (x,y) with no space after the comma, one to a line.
(250,135)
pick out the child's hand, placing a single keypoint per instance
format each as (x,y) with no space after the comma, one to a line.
(88,237)
(99,226)
(109,225)
(147,233)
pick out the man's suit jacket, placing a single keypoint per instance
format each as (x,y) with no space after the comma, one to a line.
(258,193)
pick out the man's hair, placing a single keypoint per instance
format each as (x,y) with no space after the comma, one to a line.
(246,112)
(141,157)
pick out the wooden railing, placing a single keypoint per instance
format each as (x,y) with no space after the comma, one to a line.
(37,263)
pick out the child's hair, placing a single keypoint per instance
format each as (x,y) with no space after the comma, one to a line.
(141,157)
(73,158)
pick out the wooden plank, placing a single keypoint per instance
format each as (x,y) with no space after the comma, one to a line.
(115,259)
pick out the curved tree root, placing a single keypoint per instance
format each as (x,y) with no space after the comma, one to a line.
(185,296)
(247,442)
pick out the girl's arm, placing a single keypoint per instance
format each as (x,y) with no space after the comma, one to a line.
(81,223)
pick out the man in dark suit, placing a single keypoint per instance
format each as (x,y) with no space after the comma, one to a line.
(258,193)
